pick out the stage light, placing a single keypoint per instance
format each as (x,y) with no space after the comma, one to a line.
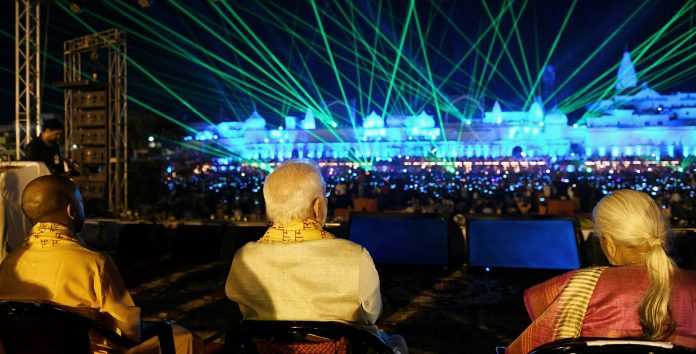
(145,3)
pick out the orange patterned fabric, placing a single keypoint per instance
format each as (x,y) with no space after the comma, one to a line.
(339,346)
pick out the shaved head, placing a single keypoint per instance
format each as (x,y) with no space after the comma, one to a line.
(53,199)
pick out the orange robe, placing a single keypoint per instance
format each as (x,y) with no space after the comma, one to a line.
(53,266)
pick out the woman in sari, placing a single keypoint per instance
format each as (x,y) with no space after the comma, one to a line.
(643,295)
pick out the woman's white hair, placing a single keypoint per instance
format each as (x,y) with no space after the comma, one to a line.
(635,222)
(291,190)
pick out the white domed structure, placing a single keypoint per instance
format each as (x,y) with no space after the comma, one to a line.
(556,117)
(423,120)
(255,122)
(373,121)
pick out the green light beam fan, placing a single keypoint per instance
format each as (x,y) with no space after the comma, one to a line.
(333,64)
(430,75)
(550,53)
(590,57)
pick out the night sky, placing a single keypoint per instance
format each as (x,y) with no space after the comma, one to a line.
(225,58)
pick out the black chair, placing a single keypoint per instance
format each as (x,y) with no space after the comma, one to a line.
(605,346)
(31,328)
(302,336)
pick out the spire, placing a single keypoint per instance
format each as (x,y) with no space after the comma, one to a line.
(626,76)
(497,112)
(536,111)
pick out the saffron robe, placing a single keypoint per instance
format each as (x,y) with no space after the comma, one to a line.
(54,266)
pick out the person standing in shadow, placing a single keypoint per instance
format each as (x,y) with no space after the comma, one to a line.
(46,147)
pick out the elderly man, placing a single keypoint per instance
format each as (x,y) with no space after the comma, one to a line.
(54,266)
(297,270)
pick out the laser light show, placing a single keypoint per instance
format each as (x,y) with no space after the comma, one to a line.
(347,176)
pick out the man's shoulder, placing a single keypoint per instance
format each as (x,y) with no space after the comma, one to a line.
(86,254)
(35,148)
(74,257)
(326,248)
(36,142)
(338,243)
(33,144)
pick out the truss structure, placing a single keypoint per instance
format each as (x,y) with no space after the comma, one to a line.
(96,116)
(27,72)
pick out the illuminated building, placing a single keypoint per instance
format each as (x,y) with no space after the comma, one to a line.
(645,123)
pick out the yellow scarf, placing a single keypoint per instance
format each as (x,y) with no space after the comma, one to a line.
(50,234)
(296,231)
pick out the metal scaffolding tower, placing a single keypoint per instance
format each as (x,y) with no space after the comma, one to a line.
(27,72)
(96,117)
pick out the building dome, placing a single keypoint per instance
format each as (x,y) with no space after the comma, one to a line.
(255,122)
(423,120)
(373,121)
(556,117)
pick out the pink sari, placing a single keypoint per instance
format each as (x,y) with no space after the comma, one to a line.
(613,308)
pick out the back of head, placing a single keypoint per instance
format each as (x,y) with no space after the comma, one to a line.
(46,199)
(635,224)
(291,190)
(52,124)
(632,219)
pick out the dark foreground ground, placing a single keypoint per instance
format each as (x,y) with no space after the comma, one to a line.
(436,310)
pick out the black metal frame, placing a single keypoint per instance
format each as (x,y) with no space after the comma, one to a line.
(27,327)
(605,345)
(239,339)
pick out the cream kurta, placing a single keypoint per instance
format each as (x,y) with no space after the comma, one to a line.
(316,280)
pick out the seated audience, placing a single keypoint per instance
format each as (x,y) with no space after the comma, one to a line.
(298,271)
(54,266)
(643,295)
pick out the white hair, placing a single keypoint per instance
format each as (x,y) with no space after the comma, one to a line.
(634,222)
(290,191)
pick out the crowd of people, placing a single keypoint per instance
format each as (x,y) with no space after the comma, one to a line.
(503,186)
(298,271)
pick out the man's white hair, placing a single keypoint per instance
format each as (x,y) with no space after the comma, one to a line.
(290,191)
